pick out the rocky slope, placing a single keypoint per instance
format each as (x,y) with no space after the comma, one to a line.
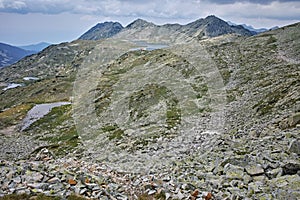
(214,118)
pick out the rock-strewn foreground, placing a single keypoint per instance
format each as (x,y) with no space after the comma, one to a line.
(214,118)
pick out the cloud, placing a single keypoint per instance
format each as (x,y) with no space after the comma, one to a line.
(248,1)
(32,21)
(274,10)
(169,10)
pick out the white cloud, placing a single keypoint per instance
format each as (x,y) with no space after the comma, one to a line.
(168,9)
(12,6)
(86,13)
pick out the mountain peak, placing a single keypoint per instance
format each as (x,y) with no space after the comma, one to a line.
(213,26)
(102,30)
(212,17)
(140,23)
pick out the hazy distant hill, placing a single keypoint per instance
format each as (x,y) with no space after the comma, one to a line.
(11,54)
(36,47)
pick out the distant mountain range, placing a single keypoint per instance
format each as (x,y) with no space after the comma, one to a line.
(10,54)
(210,26)
(251,28)
(203,28)
(36,47)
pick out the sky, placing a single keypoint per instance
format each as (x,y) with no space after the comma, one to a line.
(32,21)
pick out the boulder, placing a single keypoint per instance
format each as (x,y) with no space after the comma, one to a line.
(254,170)
(294,147)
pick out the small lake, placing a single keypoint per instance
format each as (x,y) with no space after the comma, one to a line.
(11,86)
(39,111)
(142,45)
(30,78)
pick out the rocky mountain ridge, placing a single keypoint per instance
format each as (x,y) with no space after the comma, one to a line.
(210,26)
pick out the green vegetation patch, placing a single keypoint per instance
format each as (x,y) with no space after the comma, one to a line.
(58,129)
(114,132)
(151,95)
(14,115)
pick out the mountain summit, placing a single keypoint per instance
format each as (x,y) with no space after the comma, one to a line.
(139,23)
(102,30)
(213,26)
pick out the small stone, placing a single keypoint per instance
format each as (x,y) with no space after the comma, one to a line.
(151,192)
(247,179)
(179,196)
(84,190)
(53,180)
(9,175)
(77,190)
(294,120)
(17,179)
(254,170)
(92,186)
(72,182)
(37,177)
(166,178)
(35,185)
(253,188)
(261,179)
(195,193)
(149,186)
(168,195)
(12,190)
(121,197)
(23,191)
(280,182)
(233,172)
(295,147)
(206,195)
(290,168)
(188,186)
(275,173)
